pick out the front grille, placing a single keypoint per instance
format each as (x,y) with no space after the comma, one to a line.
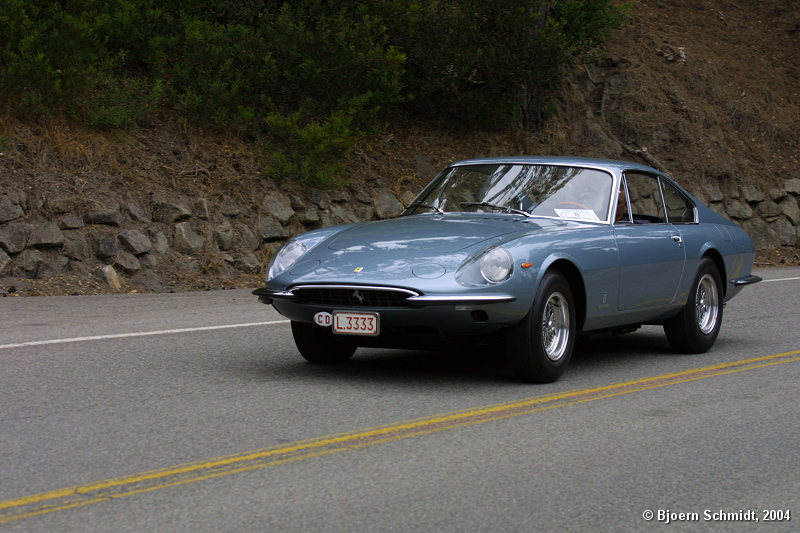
(352,296)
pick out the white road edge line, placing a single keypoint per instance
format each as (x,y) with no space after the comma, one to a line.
(187,330)
(140,334)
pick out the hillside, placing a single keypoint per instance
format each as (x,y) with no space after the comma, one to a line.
(710,90)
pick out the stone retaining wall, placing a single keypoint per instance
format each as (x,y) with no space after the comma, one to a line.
(141,240)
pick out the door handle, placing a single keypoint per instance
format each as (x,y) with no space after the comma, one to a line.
(678,239)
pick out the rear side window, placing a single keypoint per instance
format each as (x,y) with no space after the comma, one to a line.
(679,209)
(645,198)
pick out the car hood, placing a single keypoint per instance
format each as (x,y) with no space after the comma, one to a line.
(423,234)
(409,251)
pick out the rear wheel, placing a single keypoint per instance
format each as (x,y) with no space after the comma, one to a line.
(319,345)
(696,327)
(539,348)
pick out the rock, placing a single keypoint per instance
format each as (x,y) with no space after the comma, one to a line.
(76,246)
(110,276)
(339,196)
(752,194)
(364,212)
(278,205)
(714,193)
(147,280)
(201,209)
(170,212)
(776,194)
(9,210)
(790,208)
(18,197)
(310,217)
(148,260)
(296,202)
(5,263)
(187,241)
(739,211)
(247,262)
(71,222)
(189,264)
(27,264)
(345,215)
(320,198)
(224,236)
(136,212)
(362,196)
(104,244)
(792,186)
(387,205)
(108,215)
(126,262)
(768,208)
(53,266)
(764,237)
(247,238)
(230,208)
(46,236)
(408,197)
(786,232)
(136,241)
(270,230)
(14,237)
(160,242)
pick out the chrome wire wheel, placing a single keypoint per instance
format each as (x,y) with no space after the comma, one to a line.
(707,304)
(555,326)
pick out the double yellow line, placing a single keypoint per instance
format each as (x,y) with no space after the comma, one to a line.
(56,500)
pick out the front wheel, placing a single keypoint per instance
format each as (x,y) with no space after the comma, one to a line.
(695,328)
(539,348)
(319,345)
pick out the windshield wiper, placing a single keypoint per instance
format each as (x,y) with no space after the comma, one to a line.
(427,206)
(497,206)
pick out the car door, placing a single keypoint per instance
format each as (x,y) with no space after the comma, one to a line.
(651,252)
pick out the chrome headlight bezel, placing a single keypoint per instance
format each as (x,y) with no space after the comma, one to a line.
(489,267)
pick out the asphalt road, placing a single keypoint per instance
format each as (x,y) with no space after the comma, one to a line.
(194,412)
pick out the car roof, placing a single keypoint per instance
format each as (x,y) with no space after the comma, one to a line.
(608,164)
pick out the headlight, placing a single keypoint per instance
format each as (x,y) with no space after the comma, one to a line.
(496,265)
(488,268)
(285,258)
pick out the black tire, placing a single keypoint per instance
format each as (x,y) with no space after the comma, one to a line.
(695,328)
(539,348)
(319,345)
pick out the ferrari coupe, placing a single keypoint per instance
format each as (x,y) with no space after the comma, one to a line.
(521,253)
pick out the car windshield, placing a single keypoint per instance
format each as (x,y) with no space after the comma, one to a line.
(528,190)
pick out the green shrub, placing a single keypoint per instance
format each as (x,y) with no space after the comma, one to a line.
(311,76)
(310,152)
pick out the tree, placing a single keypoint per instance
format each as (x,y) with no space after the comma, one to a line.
(488,62)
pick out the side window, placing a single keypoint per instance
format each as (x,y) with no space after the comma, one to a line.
(679,209)
(621,212)
(645,198)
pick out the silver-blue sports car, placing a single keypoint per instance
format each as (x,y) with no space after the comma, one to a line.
(525,253)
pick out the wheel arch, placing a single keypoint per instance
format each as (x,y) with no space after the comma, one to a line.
(719,262)
(576,285)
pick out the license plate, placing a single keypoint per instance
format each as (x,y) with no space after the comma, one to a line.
(348,323)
